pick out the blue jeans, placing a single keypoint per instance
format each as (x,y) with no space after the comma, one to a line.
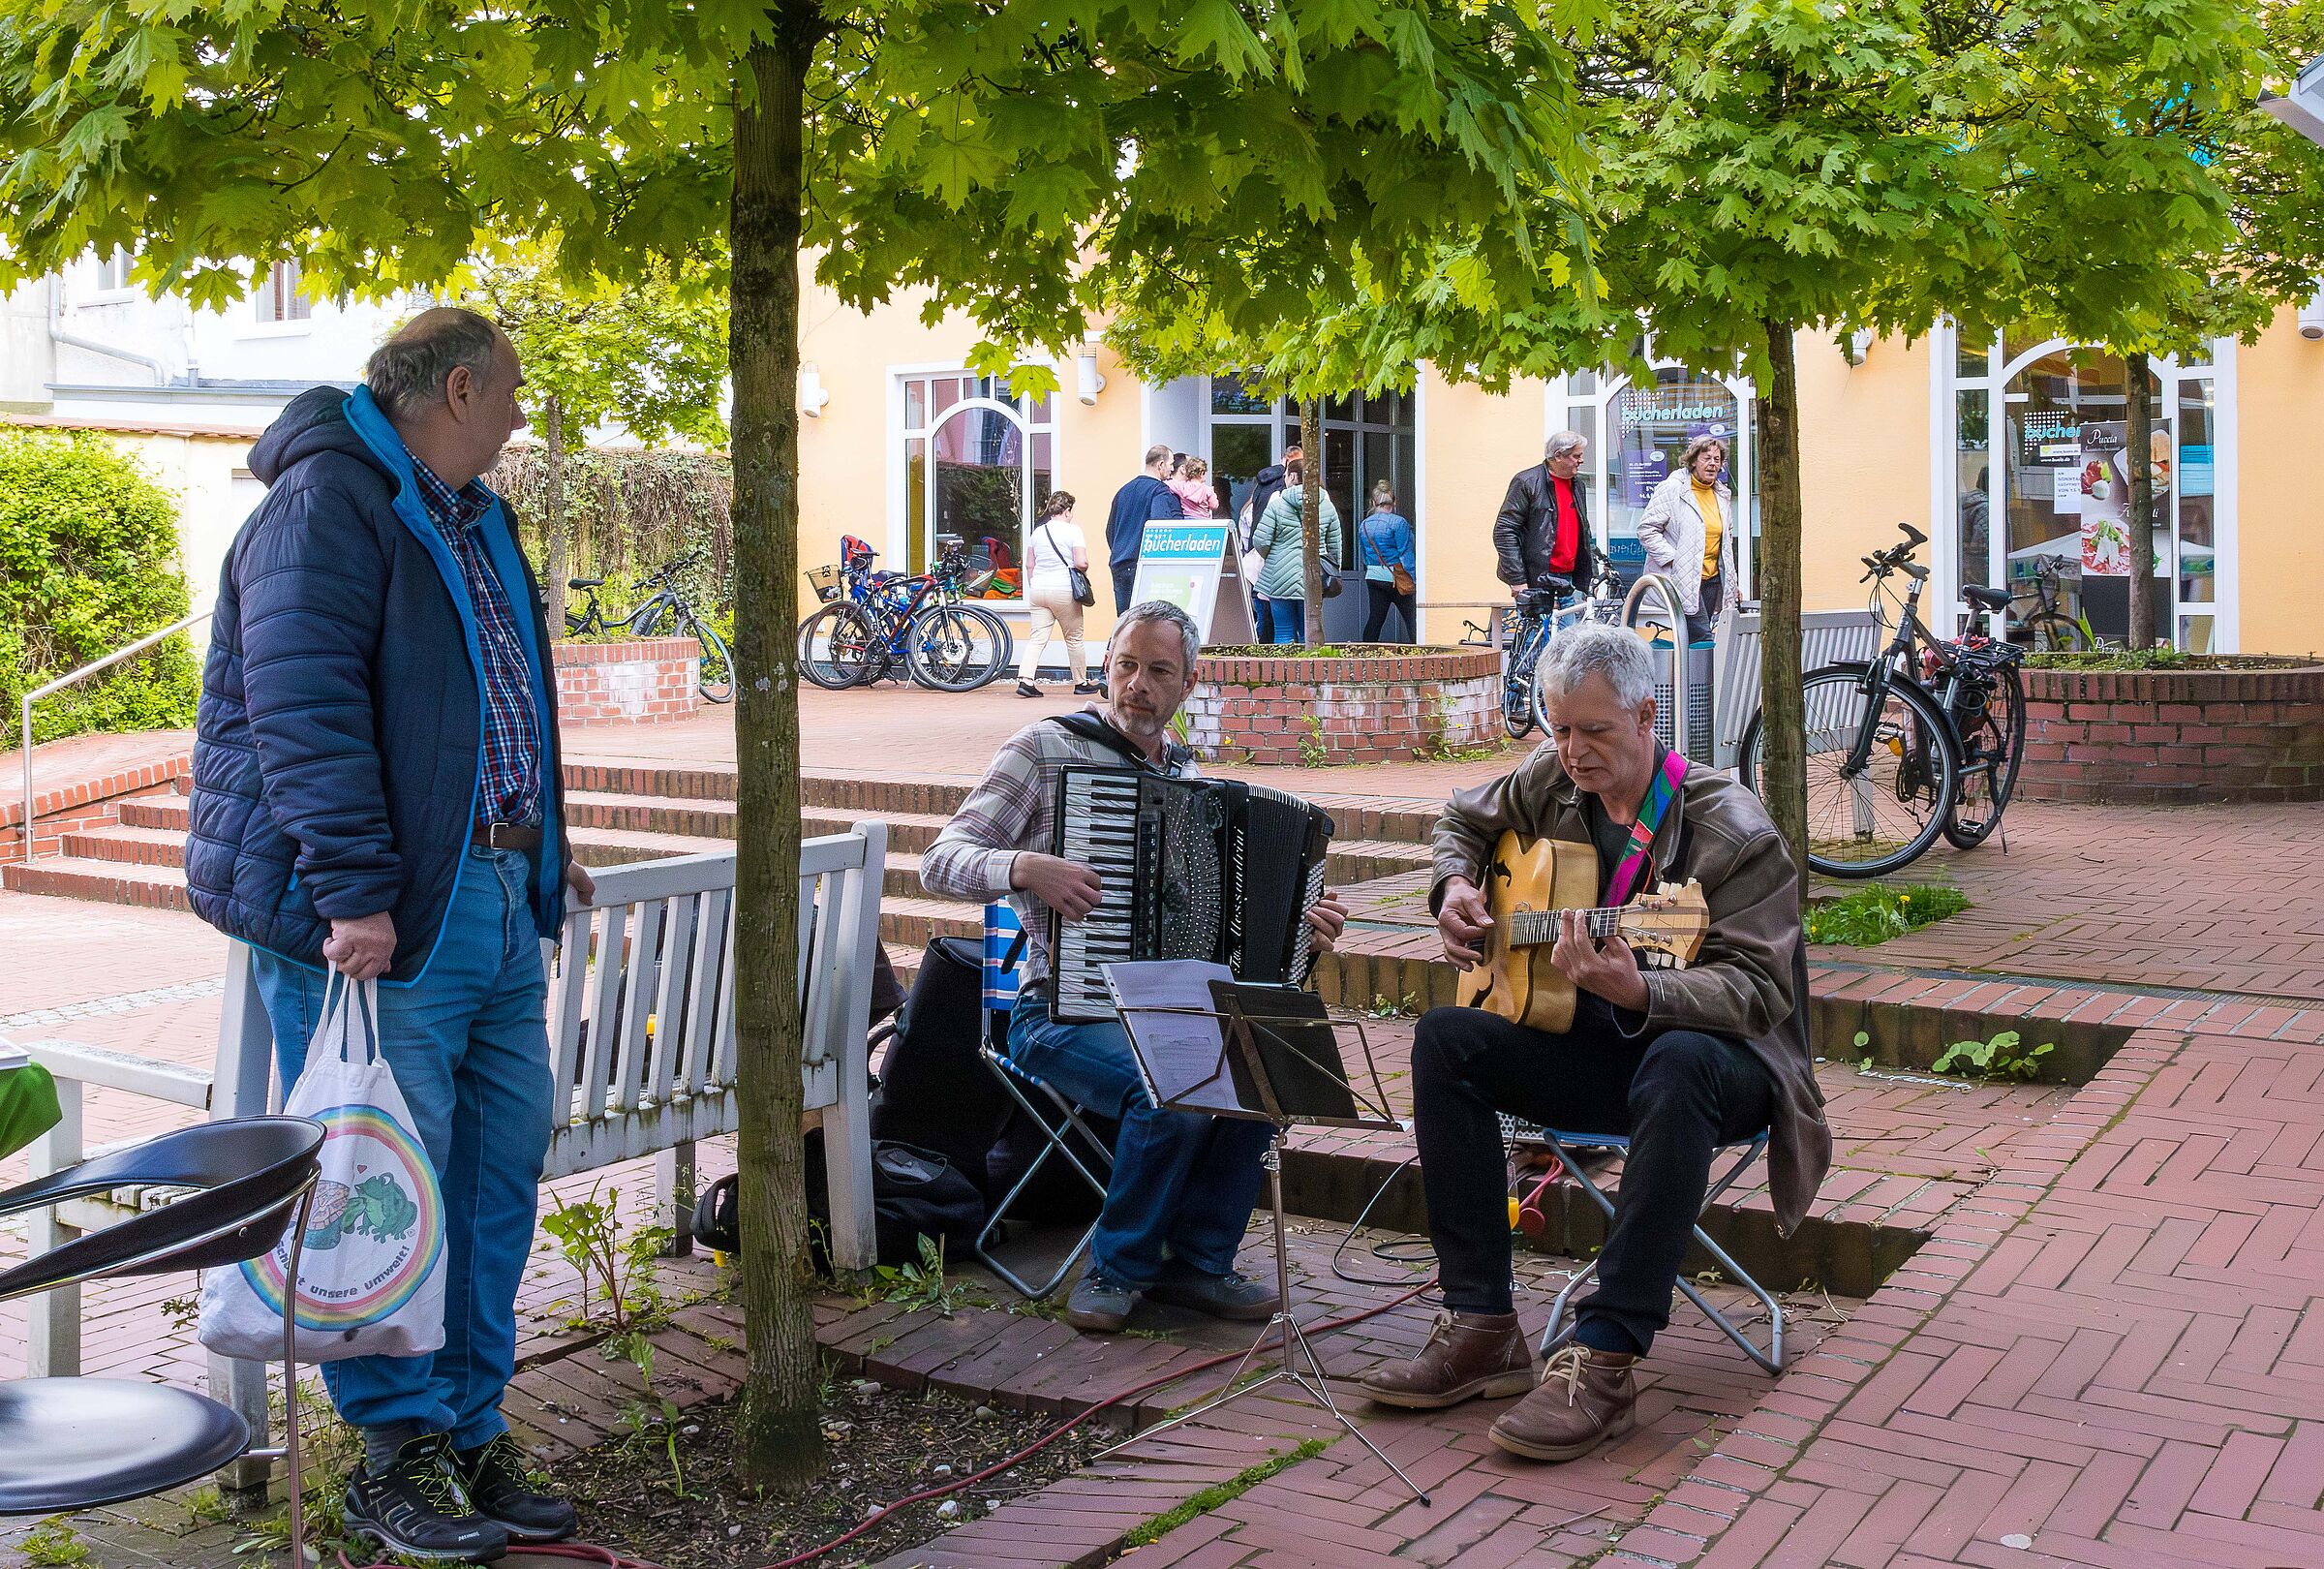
(1184,1183)
(1291,620)
(469,1046)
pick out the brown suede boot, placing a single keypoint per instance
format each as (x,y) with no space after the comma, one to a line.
(1468,1355)
(1585,1399)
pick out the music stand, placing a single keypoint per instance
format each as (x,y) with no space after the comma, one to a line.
(1205,1042)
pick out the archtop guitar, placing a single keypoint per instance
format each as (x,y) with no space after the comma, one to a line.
(1527,885)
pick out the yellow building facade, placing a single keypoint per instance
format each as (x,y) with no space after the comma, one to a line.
(2005,453)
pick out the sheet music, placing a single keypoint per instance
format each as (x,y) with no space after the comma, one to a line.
(1178,1038)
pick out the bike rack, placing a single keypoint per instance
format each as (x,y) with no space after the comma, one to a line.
(1667,592)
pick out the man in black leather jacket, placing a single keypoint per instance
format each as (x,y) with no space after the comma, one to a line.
(1544,528)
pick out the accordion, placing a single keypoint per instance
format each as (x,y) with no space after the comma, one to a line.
(1190,869)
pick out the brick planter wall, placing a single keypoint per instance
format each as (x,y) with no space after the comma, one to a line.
(78,808)
(1361,708)
(637,683)
(2174,736)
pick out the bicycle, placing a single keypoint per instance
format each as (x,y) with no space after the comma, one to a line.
(713,669)
(1890,742)
(2047,627)
(1539,614)
(875,624)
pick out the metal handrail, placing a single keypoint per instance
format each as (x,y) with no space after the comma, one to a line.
(1669,590)
(65,680)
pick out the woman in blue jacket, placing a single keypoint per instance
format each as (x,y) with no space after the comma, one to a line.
(1383,543)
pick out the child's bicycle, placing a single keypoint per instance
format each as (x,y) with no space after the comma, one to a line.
(874,624)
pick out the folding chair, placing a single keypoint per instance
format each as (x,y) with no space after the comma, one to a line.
(1059,1131)
(1771,1359)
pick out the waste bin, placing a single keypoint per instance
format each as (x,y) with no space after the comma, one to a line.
(1697,671)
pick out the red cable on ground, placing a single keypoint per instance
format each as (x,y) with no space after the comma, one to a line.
(606,1558)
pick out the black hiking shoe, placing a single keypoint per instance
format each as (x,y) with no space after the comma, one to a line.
(500,1483)
(417,1508)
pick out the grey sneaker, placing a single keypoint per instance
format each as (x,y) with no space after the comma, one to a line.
(1232,1295)
(1099,1303)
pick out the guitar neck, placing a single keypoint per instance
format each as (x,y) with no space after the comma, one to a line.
(1528,928)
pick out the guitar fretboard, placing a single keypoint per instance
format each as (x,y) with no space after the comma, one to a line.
(1534,926)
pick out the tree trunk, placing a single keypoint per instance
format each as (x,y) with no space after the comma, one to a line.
(1311,516)
(552,412)
(2139,464)
(1782,706)
(777,1439)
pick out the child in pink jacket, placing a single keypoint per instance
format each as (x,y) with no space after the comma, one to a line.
(1191,483)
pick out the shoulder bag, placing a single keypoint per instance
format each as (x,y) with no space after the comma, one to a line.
(1082,593)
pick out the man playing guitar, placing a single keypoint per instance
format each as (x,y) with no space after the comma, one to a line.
(1681,1060)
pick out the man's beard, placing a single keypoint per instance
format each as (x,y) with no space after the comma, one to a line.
(1144,724)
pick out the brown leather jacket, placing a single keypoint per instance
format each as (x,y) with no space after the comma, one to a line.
(1751,980)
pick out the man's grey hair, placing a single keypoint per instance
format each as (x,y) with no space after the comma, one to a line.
(407,373)
(1615,653)
(1169,614)
(1565,440)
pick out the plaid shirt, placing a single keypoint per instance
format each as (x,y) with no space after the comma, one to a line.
(1013,808)
(511,788)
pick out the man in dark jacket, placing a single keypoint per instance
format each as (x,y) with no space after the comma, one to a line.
(1683,1061)
(1543,527)
(376,790)
(1135,505)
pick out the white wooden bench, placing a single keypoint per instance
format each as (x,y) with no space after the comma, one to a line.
(641,1034)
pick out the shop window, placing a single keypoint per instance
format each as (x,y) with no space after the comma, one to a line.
(1651,426)
(1974,485)
(978,459)
(2069,482)
(2197,531)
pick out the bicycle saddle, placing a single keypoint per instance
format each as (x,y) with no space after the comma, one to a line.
(1990,598)
(583,582)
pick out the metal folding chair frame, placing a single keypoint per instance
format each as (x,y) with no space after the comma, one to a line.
(1017,1081)
(1770,1360)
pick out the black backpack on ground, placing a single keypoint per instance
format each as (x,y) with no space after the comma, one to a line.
(915,1193)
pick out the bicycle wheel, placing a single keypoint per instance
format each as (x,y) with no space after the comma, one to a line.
(1868,822)
(1518,709)
(950,651)
(838,645)
(714,671)
(2056,634)
(1990,753)
(1004,641)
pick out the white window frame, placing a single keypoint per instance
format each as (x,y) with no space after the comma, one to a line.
(898,488)
(1946,384)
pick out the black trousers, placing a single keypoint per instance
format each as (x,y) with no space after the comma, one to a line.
(1678,1095)
(1385,598)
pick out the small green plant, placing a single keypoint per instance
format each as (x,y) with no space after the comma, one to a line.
(1407,1006)
(53,1542)
(1864,1062)
(590,1235)
(1875,914)
(2109,659)
(922,1285)
(2005,1056)
(1312,751)
(1225,1493)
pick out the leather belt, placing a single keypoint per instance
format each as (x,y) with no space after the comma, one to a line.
(507,835)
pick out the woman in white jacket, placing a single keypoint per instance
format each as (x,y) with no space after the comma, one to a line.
(1688,532)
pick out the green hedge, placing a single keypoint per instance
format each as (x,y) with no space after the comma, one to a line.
(88,562)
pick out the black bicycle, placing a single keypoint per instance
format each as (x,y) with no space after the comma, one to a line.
(1924,740)
(665,607)
(1529,627)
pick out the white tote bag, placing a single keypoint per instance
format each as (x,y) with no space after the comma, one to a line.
(371,1270)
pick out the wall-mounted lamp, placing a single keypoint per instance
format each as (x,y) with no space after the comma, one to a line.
(811,397)
(1856,345)
(2312,314)
(1087,382)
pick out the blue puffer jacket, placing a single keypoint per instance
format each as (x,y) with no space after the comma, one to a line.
(339,740)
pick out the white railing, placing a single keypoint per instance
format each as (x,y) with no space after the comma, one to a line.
(24,738)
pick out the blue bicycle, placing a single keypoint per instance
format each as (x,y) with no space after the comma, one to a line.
(874,624)
(1537,617)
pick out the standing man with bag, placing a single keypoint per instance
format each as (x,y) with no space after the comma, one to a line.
(375,786)
(1543,529)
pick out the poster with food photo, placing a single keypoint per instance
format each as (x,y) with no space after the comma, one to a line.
(2103,480)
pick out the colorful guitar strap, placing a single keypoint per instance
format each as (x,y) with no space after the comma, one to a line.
(1635,860)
